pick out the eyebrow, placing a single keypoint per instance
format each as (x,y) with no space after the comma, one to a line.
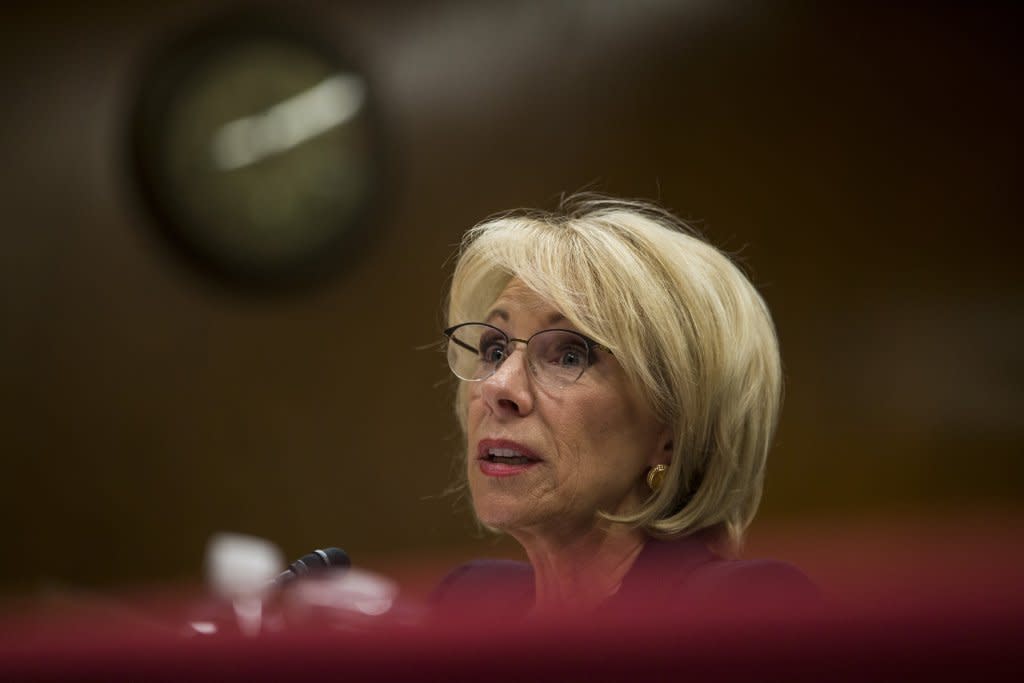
(504,315)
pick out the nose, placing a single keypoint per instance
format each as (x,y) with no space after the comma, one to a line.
(509,391)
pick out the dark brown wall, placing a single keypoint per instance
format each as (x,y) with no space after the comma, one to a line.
(864,163)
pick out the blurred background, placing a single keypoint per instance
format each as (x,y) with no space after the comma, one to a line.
(162,381)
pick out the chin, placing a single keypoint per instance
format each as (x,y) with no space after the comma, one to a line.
(495,517)
(501,514)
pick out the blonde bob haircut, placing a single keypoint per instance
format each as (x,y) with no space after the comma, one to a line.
(686,325)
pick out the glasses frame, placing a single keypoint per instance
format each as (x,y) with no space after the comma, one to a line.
(591,347)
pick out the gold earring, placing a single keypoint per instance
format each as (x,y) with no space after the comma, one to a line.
(656,476)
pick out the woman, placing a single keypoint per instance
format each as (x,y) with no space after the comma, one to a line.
(620,386)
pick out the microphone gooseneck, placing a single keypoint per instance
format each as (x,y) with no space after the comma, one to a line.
(316,561)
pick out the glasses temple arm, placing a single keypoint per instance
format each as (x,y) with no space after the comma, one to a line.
(463,344)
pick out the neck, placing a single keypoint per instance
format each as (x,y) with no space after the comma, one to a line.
(581,572)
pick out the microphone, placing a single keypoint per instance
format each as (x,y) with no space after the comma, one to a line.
(316,561)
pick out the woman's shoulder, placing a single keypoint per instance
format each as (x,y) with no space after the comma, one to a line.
(768,584)
(504,585)
(686,572)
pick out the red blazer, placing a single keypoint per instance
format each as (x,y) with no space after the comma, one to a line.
(680,576)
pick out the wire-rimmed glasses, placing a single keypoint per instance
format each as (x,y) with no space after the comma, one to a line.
(556,358)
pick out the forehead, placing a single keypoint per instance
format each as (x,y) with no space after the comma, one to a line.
(518,300)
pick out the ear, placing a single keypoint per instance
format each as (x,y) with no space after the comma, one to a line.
(666,446)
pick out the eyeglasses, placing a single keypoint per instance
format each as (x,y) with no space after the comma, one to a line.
(556,358)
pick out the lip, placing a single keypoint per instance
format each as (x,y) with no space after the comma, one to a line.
(498,469)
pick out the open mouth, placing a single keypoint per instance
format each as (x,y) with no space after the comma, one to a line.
(500,456)
(507,456)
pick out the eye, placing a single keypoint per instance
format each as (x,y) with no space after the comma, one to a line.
(493,353)
(492,349)
(572,357)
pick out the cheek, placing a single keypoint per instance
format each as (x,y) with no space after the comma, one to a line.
(468,399)
(584,444)
(613,438)
(591,423)
(472,407)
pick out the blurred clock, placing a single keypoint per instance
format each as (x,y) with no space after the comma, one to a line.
(255,148)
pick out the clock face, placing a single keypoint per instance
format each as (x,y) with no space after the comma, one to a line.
(255,148)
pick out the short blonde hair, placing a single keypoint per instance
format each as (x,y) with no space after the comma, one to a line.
(687,326)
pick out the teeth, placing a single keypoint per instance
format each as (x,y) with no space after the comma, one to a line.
(504,453)
(508,456)
(517,460)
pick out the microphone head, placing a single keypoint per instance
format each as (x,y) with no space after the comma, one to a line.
(318,560)
(336,557)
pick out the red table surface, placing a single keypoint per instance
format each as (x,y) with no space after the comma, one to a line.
(920,602)
(959,641)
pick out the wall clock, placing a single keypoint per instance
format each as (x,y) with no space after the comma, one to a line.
(256,149)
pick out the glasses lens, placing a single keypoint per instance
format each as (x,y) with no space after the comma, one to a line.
(475,351)
(558,357)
